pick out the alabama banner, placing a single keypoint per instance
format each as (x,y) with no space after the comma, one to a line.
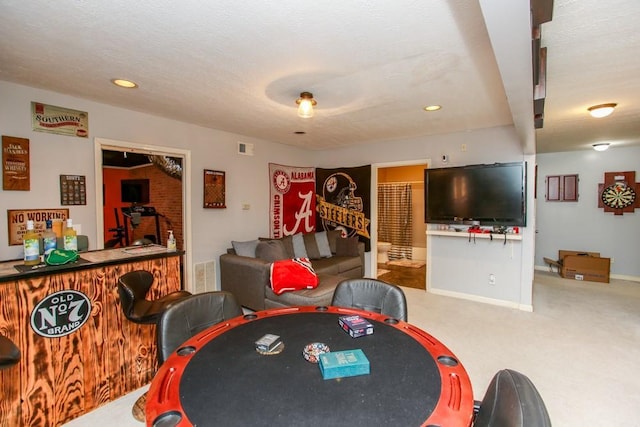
(292,200)
(344,201)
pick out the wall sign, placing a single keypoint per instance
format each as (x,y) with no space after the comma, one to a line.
(73,190)
(15,163)
(59,120)
(60,313)
(214,189)
(17,221)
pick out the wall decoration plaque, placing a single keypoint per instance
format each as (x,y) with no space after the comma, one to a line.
(214,189)
(73,190)
(15,164)
(17,221)
(59,120)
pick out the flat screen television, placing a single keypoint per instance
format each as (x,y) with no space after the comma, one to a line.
(493,194)
(134,191)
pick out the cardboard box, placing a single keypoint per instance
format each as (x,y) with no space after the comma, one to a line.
(584,266)
(346,363)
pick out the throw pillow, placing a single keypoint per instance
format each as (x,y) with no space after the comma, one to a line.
(347,246)
(287,241)
(311,246)
(245,248)
(299,251)
(292,275)
(332,236)
(271,250)
(323,244)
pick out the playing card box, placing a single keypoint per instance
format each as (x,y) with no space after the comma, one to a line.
(356,326)
(345,363)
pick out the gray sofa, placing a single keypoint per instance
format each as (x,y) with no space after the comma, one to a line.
(245,268)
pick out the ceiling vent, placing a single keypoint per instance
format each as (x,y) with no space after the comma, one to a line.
(245,149)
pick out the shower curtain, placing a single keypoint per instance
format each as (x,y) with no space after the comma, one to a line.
(395,219)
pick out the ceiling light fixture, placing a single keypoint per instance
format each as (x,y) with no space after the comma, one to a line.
(305,105)
(601,146)
(601,110)
(432,107)
(127,84)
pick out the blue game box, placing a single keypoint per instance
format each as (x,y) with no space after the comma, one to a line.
(345,363)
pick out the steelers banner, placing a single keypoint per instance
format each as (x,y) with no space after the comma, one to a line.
(343,198)
(292,203)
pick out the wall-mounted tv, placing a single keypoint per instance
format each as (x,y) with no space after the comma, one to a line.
(493,194)
(134,191)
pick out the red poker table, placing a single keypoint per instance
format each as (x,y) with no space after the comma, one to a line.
(217,378)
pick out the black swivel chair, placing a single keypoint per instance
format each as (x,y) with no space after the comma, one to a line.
(133,288)
(371,295)
(9,353)
(192,315)
(511,400)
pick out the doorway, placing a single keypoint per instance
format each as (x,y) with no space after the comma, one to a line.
(400,255)
(139,166)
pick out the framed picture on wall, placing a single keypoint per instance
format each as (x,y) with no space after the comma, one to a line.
(214,189)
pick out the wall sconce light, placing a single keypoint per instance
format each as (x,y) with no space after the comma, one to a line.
(601,146)
(305,105)
(602,110)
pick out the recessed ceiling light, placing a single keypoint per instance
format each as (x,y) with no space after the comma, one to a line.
(127,84)
(601,146)
(432,107)
(602,110)
(300,132)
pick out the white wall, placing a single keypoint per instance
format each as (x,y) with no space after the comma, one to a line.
(582,225)
(52,155)
(246,177)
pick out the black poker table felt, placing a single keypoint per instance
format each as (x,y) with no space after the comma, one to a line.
(226,382)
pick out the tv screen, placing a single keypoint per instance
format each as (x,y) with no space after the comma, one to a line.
(490,194)
(135,191)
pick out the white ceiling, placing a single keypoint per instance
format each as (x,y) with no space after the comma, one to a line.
(372,66)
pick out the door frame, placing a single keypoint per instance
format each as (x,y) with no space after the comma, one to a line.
(374,205)
(132,147)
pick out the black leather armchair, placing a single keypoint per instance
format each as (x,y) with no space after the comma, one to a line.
(371,295)
(511,400)
(9,353)
(192,315)
(133,288)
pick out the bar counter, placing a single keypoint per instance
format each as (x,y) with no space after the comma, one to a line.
(78,351)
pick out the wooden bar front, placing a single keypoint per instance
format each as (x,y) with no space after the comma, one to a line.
(61,378)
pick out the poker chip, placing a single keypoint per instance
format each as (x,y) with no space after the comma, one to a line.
(312,352)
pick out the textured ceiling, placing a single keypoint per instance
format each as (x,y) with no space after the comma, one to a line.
(372,66)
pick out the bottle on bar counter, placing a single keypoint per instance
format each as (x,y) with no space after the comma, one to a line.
(171,242)
(31,245)
(49,238)
(70,237)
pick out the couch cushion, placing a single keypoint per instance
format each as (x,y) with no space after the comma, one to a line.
(320,296)
(322,241)
(299,250)
(347,263)
(327,265)
(332,236)
(271,250)
(245,248)
(292,275)
(347,246)
(287,241)
(311,246)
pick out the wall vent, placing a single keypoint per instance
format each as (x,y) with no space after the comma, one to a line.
(245,148)
(205,276)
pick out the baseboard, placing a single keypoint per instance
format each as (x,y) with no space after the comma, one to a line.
(485,300)
(611,276)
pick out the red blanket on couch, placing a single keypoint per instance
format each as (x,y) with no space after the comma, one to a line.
(292,275)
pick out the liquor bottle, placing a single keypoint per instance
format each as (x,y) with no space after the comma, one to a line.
(49,239)
(171,242)
(31,245)
(70,238)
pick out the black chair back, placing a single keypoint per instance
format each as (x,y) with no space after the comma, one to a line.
(192,315)
(512,400)
(9,353)
(371,295)
(132,288)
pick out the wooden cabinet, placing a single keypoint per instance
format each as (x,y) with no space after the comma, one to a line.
(60,378)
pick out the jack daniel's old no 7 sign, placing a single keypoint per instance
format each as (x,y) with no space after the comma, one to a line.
(60,313)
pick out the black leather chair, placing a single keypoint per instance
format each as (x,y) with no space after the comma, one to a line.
(186,318)
(511,400)
(133,288)
(371,295)
(9,353)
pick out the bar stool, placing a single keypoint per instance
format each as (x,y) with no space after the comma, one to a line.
(133,288)
(9,353)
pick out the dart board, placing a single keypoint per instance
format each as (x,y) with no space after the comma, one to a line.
(619,192)
(618,196)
